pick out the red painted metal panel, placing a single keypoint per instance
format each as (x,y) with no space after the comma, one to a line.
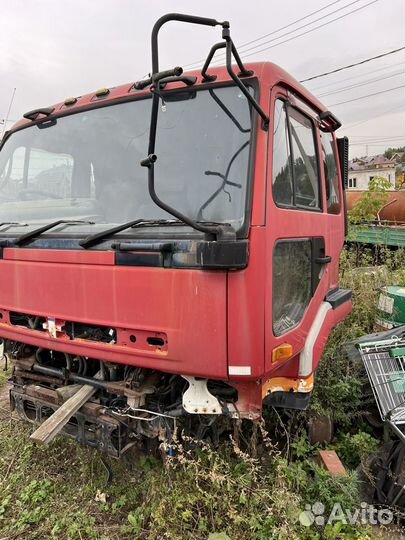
(59,255)
(293,224)
(189,306)
(246,308)
(284,223)
(288,368)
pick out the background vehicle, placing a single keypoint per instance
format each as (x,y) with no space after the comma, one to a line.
(388,228)
(197,285)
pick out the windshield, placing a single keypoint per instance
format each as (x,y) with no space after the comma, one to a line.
(86,166)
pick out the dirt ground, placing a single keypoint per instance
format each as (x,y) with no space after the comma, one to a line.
(389,533)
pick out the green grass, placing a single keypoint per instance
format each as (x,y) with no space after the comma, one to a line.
(60,492)
(4,374)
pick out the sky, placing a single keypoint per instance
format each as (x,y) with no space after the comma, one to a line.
(50,50)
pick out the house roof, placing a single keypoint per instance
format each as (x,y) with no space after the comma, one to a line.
(398,156)
(371,162)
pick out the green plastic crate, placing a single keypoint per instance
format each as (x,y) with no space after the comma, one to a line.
(391,307)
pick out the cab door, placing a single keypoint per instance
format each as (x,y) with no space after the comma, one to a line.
(298,237)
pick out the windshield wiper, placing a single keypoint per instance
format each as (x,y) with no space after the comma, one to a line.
(26,238)
(98,237)
(14,223)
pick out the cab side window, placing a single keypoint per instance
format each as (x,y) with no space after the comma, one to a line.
(292,275)
(305,163)
(295,163)
(282,175)
(331,173)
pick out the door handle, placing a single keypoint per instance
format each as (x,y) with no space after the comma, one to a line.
(323,260)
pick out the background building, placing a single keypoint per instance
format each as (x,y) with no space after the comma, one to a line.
(362,170)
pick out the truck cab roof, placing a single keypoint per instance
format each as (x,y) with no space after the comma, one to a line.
(267,73)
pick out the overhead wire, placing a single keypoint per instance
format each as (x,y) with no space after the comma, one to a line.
(242,45)
(243,55)
(311,30)
(386,112)
(382,141)
(381,145)
(303,26)
(363,137)
(358,76)
(366,60)
(368,95)
(358,85)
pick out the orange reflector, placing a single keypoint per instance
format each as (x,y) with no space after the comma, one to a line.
(282,352)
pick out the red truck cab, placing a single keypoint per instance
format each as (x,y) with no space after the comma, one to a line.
(202,279)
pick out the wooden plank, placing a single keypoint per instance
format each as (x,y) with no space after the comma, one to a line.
(66,392)
(55,423)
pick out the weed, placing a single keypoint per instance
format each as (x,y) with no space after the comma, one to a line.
(203,492)
(371,201)
(355,448)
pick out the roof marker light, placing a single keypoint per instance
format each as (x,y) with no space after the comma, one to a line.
(70,101)
(102,92)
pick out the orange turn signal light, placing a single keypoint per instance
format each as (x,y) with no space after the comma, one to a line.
(282,352)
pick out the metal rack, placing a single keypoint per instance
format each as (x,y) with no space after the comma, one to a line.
(383,356)
(385,366)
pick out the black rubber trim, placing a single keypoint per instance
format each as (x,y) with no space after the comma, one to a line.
(343,151)
(220,255)
(337,297)
(288,400)
(323,260)
(139,259)
(159,247)
(223,255)
(331,118)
